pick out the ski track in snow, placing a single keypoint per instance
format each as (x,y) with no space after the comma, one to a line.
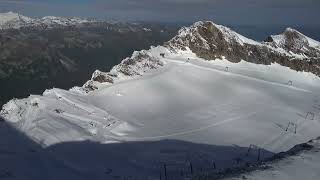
(190,131)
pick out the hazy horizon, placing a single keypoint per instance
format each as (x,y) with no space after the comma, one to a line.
(254,31)
(235,12)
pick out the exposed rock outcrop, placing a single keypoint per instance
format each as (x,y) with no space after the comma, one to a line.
(210,41)
(139,63)
(293,41)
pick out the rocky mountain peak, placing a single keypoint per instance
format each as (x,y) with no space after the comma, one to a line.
(294,41)
(211,41)
(289,36)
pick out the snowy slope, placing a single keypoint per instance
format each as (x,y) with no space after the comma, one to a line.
(192,101)
(304,165)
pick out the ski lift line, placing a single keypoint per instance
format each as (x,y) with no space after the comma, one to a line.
(292,125)
(91,122)
(284,133)
(223,67)
(301,125)
(73,103)
(255,148)
(274,138)
(90,113)
(93,109)
(68,123)
(252,78)
(310,114)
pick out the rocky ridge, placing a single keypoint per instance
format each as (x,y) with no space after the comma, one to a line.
(211,41)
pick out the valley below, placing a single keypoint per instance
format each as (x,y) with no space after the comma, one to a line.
(35,59)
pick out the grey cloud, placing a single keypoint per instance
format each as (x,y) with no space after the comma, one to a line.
(230,11)
(221,11)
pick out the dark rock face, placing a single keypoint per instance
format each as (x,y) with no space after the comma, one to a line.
(102,78)
(138,64)
(210,41)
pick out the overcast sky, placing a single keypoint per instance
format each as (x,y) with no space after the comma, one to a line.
(236,12)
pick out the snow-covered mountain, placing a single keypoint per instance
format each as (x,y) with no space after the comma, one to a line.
(139,63)
(242,106)
(295,42)
(11,20)
(210,41)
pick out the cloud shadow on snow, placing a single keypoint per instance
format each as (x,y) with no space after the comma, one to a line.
(22,158)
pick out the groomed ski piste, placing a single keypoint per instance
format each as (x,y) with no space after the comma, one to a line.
(187,117)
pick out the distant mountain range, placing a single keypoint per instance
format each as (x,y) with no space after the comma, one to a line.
(11,20)
(42,53)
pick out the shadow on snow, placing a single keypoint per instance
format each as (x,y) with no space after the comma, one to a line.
(22,158)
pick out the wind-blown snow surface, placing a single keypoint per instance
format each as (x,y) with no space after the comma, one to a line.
(215,103)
